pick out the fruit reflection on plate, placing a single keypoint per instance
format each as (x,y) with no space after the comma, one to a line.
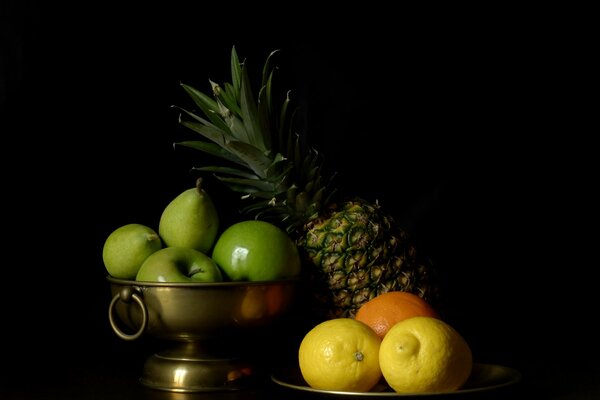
(484,377)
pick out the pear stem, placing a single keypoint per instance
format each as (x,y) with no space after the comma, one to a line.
(199,185)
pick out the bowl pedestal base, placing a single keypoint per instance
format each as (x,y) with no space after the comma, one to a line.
(191,367)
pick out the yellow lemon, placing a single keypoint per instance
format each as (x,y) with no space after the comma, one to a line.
(424,354)
(340,354)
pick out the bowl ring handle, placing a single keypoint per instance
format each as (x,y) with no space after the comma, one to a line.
(126,294)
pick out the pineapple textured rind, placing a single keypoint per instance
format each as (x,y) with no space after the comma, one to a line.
(359,252)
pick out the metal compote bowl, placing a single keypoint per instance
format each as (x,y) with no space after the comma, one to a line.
(206,327)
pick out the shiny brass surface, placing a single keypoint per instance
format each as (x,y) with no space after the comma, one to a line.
(187,368)
(126,295)
(205,325)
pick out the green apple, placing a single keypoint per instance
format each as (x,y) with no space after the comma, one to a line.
(127,247)
(256,251)
(190,220)
(179,264)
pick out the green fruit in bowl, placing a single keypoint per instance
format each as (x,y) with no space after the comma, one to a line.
(190,220)
(256,251)
(179,264)
(127,247)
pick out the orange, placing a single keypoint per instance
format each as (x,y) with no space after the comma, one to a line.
(387,309)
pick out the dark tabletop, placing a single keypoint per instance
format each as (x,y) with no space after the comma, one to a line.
(90,370)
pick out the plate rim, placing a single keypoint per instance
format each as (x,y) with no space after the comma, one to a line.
(515,377)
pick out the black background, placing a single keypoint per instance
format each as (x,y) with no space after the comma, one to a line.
(467,125)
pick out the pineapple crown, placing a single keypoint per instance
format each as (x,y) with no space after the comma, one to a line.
(278,175)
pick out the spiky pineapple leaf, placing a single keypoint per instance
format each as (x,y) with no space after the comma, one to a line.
(246,190)
(255,206)
(235,73)
(298,158)
(212,149)
(210,132)
(317,199)
(268,93)
(282,123)
(267,81)
(278,168)
(262,186)
(230,93)
(202,121)
(310,165)
(259,133)
(254,157)
(227,170)
(203,101)
(249,111)
(264,113)
(289,141)
(237,127)
(207,105)
(265,108)
(229,111)
(273,199)
(267,70)
(226,98)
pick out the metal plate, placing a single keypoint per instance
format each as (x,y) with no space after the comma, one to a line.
(484,377)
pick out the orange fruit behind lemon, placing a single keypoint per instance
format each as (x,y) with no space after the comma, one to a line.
(340,354)
(385,310)
(424,354)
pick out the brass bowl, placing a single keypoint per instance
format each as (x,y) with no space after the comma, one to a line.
(205,324)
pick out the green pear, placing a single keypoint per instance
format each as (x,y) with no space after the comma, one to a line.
(127,247)
(190,220)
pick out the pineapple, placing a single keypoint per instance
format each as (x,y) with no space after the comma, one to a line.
(352,249)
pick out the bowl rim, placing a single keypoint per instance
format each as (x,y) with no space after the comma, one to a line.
(128,282)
